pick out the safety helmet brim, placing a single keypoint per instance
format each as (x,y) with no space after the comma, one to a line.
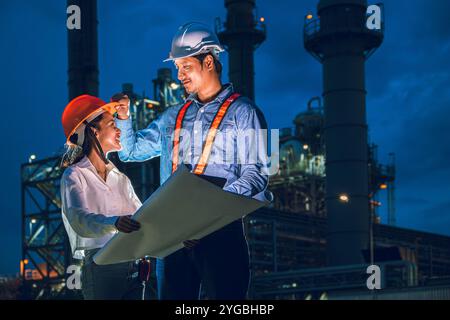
(215,50)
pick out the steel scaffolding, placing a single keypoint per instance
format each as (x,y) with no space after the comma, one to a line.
(45,247)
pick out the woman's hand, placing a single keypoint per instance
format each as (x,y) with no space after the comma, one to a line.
(126,224)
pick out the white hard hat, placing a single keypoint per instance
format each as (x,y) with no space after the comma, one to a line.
(192,39)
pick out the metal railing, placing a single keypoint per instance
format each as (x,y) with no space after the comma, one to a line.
(312,28)
(220,26)
(275,285)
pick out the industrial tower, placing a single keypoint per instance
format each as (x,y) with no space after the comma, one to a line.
(342,42)
(83,51)
(241,35)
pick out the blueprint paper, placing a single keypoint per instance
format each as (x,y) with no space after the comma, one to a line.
(185,207)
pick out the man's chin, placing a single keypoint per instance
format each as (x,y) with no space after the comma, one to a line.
(189,90)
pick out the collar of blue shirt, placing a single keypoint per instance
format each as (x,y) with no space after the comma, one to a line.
(227,90)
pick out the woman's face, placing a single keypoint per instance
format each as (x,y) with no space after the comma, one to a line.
(108,134)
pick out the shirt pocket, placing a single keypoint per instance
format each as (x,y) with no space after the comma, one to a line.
(227,125)
(168,132)
(168,136)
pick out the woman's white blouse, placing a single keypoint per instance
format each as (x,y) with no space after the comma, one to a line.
(91,206)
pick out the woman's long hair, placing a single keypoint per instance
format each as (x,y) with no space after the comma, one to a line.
(74,153)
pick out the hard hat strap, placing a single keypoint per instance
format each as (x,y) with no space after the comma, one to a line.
(97,143)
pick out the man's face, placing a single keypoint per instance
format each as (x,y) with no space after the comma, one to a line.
(191,74)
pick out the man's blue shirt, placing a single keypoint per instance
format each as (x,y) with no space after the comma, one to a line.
(243,172)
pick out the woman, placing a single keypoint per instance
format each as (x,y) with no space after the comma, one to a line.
(97,199)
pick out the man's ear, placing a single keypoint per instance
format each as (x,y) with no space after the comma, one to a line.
(209,62)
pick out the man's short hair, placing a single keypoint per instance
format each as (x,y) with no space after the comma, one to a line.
(217,63)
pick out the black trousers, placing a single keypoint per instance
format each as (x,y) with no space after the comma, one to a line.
(109,282)
(219,264)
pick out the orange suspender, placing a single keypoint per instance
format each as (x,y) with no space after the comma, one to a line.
(203,161)
(176,138)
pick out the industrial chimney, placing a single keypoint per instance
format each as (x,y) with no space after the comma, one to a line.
(83,51)
(342,42)
(241,36)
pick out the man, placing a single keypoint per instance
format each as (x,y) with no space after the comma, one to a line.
(219,261)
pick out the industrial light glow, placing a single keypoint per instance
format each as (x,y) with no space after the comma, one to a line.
(309,16)
(383,186)
(174,85)
(262,19)
(344,198)
(305,146)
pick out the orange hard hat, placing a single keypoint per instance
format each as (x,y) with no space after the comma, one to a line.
(83,108)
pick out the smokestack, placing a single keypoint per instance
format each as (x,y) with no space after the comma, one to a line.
(241,36)
(83,51)
(341,41)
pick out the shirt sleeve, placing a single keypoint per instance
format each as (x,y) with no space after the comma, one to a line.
(251,151)
(85,223)
(141,145)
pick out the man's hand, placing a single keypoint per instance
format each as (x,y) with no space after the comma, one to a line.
(191,243)
(126,224)
(123,109)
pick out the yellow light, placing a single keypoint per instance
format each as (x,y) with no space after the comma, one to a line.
(383,186)
(33,220)
(25,261)
(262,19)
(375,203)
(305,146)
(174,85)
(344,198)
(309,16)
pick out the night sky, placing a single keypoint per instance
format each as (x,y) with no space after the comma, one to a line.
(408,80)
